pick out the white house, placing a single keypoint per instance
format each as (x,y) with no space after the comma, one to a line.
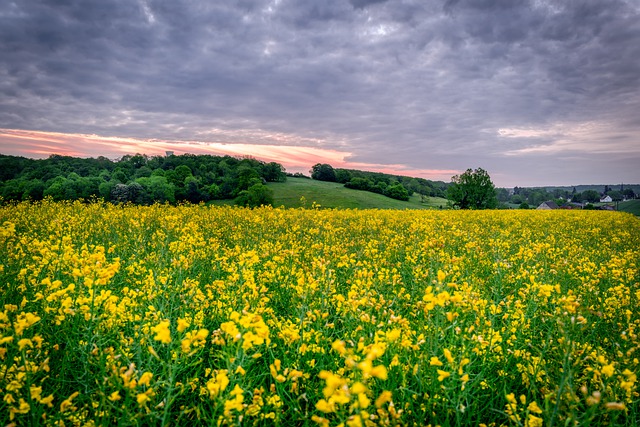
(606,199)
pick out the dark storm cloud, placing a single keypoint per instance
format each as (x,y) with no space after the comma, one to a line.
(426,84)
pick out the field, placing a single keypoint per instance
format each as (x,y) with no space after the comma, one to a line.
(335,195)
(194,315)
(631,206)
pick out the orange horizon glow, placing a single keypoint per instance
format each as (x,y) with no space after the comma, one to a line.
(40,144)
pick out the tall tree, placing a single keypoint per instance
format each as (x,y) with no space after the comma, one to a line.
(323,172)
(473,189)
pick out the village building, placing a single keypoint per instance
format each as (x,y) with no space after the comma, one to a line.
(547,205)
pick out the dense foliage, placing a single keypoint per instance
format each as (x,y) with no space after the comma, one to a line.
(395,186)
(472,189)
(191,315)
(138,179)
(534,196)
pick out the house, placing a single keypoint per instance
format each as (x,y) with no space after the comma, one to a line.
(606,199)
(547,205)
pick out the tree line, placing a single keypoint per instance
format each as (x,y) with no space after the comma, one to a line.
(140,179)
(394,186)
(532,197)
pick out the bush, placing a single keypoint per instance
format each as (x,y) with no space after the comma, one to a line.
(256,195)
(398,192)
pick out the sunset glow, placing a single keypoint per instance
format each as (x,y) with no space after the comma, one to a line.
(38,144)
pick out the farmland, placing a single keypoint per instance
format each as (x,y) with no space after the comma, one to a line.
(197,315)
(298,191)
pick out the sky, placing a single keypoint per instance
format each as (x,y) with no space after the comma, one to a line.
(536,92)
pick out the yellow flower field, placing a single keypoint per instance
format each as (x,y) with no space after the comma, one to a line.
(191,315)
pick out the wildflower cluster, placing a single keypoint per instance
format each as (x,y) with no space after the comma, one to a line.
(226,316)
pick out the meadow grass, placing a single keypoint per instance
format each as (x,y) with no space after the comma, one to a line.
(631,206)
(334,195)
(226,316)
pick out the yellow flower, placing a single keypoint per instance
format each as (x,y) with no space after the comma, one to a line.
(68,402)
(182,325)
(218,383)
(324,406)
(163,334)
(384,397)
(114,396)
(608,370)
(533,407)
(23,408)
(442,375)
(339,346)
(236,402)
(533,421)
(35,393)
(354,421)
(142,398)
(322,421)
(447,355)
(231,329)
(24,342)
(435,361)
(145,378)
(24,321)
(47,401)
(363,401)
(379,372)
(393,335)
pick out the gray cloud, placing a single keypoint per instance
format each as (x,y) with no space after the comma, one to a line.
(426,84)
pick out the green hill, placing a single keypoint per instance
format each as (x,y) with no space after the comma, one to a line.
(631,206)
(335,195)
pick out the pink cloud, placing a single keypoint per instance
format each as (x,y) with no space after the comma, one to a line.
(38,144)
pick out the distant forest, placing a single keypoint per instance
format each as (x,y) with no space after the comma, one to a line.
(394,186)
(562,196)
(140,179)
(402,187)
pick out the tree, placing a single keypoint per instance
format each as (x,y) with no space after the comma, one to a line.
(343,176)
(398,192)
(157,189)
(274,172)
(502,194)
(591,196)
(323,172)
(256,195)
(628,193)
(359,184)
(516,199)
(472,190)
(33,190)
(616,195)
(247,177)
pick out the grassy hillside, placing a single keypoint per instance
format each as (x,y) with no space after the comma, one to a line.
(334,195)
(631,206)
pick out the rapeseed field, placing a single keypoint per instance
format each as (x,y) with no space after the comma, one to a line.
(190,315)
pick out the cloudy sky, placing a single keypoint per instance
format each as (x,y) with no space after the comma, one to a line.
(536,92)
